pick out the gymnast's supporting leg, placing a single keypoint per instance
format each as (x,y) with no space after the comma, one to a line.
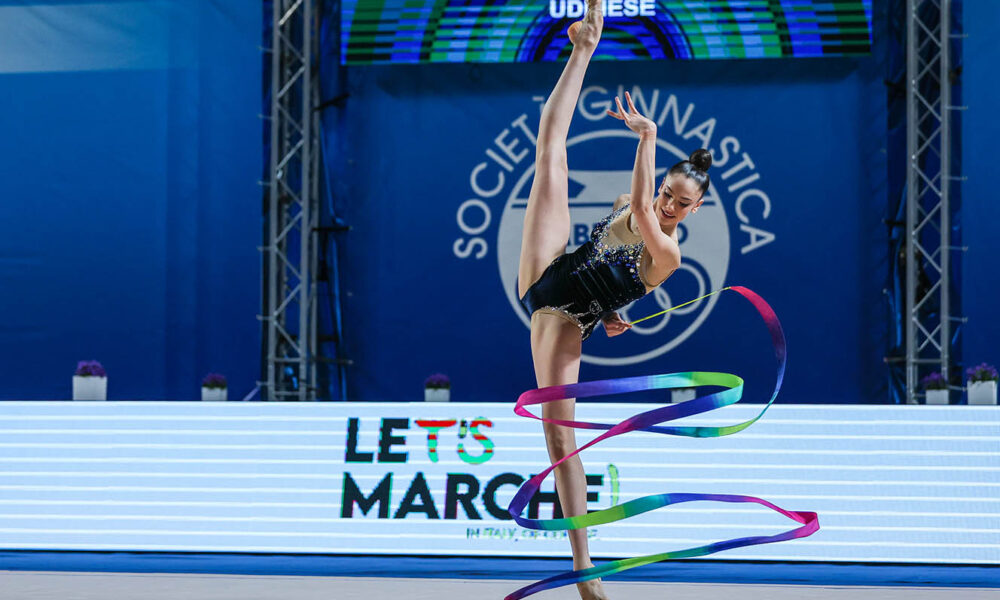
(556,347)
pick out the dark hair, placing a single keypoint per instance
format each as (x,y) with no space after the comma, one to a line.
(695,167)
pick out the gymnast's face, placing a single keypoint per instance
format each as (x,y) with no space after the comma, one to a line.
(678,196)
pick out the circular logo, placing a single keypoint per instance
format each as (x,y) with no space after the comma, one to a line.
(704,243)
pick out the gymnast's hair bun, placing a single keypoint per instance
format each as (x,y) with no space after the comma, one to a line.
(701,159)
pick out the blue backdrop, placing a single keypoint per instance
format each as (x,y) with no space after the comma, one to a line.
(980,208)
(130,221)
(432,169)
(131,216)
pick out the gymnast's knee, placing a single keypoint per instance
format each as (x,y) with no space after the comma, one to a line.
(551,157)
(559,440)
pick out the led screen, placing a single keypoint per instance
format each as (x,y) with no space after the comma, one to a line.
(905,484)
(491,31)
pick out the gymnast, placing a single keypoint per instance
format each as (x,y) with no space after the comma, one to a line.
(567,294)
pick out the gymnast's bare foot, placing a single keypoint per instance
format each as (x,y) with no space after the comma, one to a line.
(586,33)
(591,590)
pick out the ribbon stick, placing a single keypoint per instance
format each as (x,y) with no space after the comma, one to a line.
(679,306)
(650,421)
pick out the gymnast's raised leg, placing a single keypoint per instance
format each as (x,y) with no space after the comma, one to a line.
(556,342)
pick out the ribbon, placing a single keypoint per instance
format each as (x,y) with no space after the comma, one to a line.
(649,421)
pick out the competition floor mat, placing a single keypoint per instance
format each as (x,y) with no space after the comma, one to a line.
(42,585)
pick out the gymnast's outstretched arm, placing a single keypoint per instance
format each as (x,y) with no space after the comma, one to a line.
(661,246)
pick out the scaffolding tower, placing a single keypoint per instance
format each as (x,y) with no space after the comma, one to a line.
(291,207)
(929,286)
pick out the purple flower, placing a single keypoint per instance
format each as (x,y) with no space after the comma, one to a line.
(934,381)
(438,381)
(214,380)
(90,368)
(982,372)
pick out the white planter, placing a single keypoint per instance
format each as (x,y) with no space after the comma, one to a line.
(437,394)
(936,397)
(983,392)
(90,387)
(213,394)
(682,394)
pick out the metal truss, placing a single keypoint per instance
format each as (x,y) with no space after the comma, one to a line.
(929,286)
(291,207)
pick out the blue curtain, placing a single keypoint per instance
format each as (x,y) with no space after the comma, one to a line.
(131,207)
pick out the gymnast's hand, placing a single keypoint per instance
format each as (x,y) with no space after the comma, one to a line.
(635,121)
(614,325)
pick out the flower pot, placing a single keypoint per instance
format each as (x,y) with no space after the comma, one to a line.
(936,397)
(90,387)
(212,394)
(982,392)
(682,394)
(437,394)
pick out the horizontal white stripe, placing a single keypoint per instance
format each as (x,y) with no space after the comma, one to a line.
(298,549)
(492,433)
(438,523)
(735,468)
(519,430)
(173,432)
(870,497)
(177,445)
(988,415)
(771,497)
(741,451)
(47,502)
(442,477)
(808,542)
(811,542)
(734,459)
(677,509)
(339,476)
(706,480)
(879,483)
(560,553)
(888,513)
(141,488)
(339,433)
(369,426)
(105,418)
(736,526)
(206,519)
(290,534)
(743,437)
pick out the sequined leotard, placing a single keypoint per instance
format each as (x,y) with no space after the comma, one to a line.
(597,278)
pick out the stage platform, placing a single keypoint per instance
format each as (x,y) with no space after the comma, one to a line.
(158,586)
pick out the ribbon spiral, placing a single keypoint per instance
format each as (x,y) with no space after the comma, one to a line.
(649,421)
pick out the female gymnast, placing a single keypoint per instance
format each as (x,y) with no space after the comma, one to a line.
(567,294)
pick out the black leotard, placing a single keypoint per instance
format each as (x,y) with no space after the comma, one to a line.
(597,278)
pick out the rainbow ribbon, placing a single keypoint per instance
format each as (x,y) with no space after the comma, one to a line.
(649,421)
